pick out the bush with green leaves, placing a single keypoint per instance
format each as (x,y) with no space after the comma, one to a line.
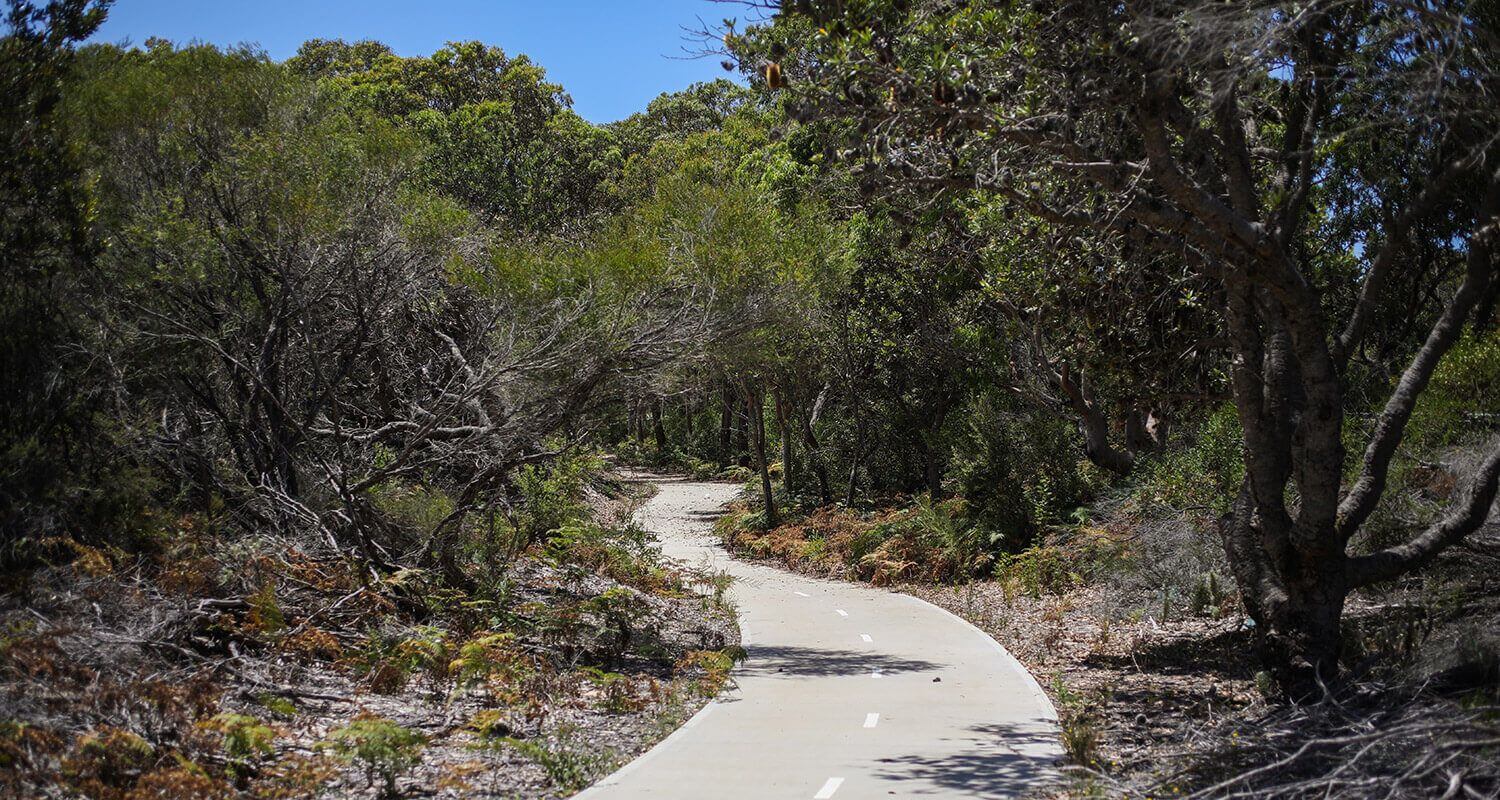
(571,761)
(622,554)
(549,495)
(1463,396)
(383,749)
(1019,470)
(247,739)
(1204,474)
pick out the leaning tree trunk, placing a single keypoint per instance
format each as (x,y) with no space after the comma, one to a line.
(815,457)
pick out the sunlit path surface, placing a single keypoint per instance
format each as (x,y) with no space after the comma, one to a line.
(848,692)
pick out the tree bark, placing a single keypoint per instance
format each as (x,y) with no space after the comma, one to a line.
(815,458)
(754,406)
(658,430)
(726,425)
(783,430)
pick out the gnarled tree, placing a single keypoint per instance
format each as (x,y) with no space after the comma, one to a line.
(1217,133)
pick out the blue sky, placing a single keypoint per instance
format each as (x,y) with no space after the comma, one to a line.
(612,57)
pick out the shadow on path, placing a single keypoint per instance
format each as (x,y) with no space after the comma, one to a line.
(794,661)
(991,762)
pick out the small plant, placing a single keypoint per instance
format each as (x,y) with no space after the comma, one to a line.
(566,758)
(491,724)
(1038,569)
(385,750)
(618,608)
(247,740)
(106,756)
(618,693)
(265,612)
(495,662)
(1078,725)
(1208,595)
(708,670)
(280,706)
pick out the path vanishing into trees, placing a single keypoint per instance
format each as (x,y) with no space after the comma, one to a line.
(848,691)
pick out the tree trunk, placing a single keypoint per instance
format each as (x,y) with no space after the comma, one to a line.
(855,457)
(814,457)
(934,472)
(726,425)
(757,425)
(783,430)
(657,429)
(1093,425)
(637,423)
(743,432)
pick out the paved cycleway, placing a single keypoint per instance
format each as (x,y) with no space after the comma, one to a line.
(848,692)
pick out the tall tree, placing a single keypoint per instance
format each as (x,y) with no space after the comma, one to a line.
(46,410)
(1211,133)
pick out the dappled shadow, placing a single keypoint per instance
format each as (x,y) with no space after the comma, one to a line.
(1228,652)
(1001,759)
(793,661)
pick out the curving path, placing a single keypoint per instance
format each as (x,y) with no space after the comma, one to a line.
(849,692)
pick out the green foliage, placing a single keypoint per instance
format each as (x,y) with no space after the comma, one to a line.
(265,615)
(384,749)
(499,137)
(550,495)
(246,738)
(1019,470)
(1205,474)
(1079,725)
(1039,569)
(621,554)
(571,761)
(59,466)
(387,662)
(1464,394)
(418,509)
(493,660)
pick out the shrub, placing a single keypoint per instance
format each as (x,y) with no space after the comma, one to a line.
(623,555)
(1039,569)
(551,494)
(385,750)
(569,760)
(387,662)
(618,694)
(246,739)
(265,614)
(1019,470)
(1206,474)
(493,660)
(1078,725)
(707,670)
(1464,393)
(416,509)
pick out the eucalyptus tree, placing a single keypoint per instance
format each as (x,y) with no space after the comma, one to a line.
(1304,159)
(501,138)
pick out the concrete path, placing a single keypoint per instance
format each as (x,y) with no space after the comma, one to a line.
(849,692)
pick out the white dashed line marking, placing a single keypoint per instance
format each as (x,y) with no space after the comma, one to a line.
(866,637)
(871,720)
(842,612)
(802,594)
(829,787)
